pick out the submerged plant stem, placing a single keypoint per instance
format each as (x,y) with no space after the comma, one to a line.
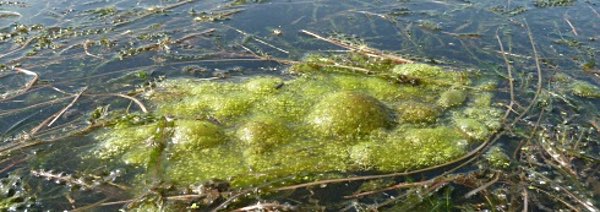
(365,50)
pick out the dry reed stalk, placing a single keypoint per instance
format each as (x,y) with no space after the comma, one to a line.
(538,67)
(50,120)
(571,25)
(365,50)
(510,78)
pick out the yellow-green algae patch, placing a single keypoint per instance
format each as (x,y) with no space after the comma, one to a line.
(333,114)
(349,113)
(566,84)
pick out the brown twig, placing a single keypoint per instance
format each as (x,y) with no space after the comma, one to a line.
(268,58)
(482,187)
(531,134)
(30,84)
(394,187)
(50,120)
(189,36)
(27,86)
(264,207)
(133,99)
(594,10)
(365,50)
(12,51)
(13,111)
(539,77)
(571,25)
(85,49)
(67,107)
(358,69)
(231,199)
(13,164)
(525,199)
(259,40)
(159,9)
(510,78)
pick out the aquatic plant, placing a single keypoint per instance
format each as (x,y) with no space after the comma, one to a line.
(14,194)
(261,128)
(239,130)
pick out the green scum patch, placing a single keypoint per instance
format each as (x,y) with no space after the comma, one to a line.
(343,113)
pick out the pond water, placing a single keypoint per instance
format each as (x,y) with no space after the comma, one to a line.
(71,69)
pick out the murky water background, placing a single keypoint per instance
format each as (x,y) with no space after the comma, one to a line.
(108,47)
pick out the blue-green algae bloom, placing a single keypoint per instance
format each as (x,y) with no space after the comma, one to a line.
(330,114)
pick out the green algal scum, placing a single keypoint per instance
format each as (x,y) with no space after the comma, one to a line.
(341,113)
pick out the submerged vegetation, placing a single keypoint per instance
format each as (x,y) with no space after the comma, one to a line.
(254,105)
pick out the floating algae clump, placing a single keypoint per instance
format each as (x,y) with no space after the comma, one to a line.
(263,133)
(416,112)
(196,134)
(566,84)
(348,113)
(585,89)
(451,98)
(341,113)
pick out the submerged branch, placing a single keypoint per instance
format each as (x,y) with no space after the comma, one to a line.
(538,67)
(27,86)
(365,50)
(50,120)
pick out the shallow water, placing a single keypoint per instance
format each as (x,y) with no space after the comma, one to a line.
(130,44)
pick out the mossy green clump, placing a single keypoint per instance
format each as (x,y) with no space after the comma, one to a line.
(409,149)
(349,113)
(127,143)
(585,89)
(261,134)
(264,85)
(497,158)
(193,134)
(553,3)
(431,75)
(416,112)
(331,116)
(472,128)
(452,98)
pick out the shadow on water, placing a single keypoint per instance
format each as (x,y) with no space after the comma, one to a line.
(67,67)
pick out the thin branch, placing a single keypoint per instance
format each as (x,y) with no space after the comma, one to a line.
(365,50)
(12,51)
(192,35)
(154,11)
(30,84)
(571,25)
(594,10)
(394,187)
(525,199)
(265,207)
(539,77)
(482,187)
(13,164)
(67,107)
(510,78)
(136,101)
(50,120)
(259,40)
(85,49)
(13,111)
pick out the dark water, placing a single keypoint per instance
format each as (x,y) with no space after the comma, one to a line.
(109,47)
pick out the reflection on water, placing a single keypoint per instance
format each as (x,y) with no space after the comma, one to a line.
(93,49)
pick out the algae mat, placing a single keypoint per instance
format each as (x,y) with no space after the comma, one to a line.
(323,117)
